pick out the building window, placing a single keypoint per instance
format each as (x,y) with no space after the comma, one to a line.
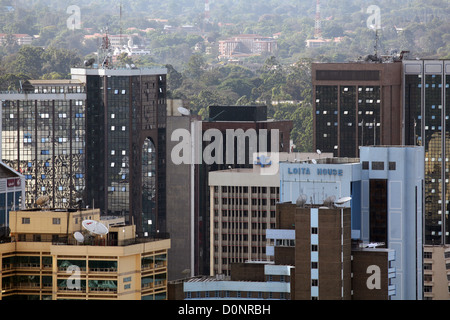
(365,165)
(25,220)
(427,255)
(377,165)
(392,165)
(314,247)
(314,282)
(314,231)
(56,220)
(427,266)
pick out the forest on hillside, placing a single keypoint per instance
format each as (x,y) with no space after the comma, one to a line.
(281,79)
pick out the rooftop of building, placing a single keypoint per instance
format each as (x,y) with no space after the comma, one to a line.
(40,226)
(325,160)
(116,71)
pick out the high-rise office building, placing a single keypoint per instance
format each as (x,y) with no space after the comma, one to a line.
(126,144)
(392,181)
(243,207)
(356,104)
(43,137)
(426,100)
(250,129)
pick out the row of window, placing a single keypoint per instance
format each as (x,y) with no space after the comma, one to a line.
(378,165)
(244,225)
(244,213)
(244,201)
(244,189)
(236,294)
(26,220)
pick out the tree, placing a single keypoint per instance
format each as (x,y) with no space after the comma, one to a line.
(174,78)
(27,61)
(196,66)
(59,60)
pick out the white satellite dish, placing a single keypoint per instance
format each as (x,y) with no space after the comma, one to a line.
(318,151)
(184,111)
(78,236)
(374,244)
(343,200)
(314,161)
(95,227)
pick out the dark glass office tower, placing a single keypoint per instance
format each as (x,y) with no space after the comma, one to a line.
(125,144)
(356,104)
(427,123)
(43,137)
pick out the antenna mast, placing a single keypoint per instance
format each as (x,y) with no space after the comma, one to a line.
(104,54)
(120,22)
(207,14)
(317,25)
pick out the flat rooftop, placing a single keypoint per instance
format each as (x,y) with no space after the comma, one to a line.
(117,71)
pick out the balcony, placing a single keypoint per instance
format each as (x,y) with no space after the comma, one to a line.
(103,270)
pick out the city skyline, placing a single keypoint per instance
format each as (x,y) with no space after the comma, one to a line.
(223,151)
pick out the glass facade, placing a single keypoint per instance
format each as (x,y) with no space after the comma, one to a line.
(427,123)
(433,157)
(347,117)
(369,115)
(326,118)
(44,139)
(126,120)
(347,121)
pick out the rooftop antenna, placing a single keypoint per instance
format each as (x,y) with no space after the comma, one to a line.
(207,13)
(105,52)
(120,23)
(376,42)
(317,24)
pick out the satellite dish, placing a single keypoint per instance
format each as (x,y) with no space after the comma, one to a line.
(186,272)
(42,200)
(90,62)
(184,111)
(374,244)
(318,151)
(78,236)
(301,200)
(95,227)
(343,200)
(314,161)
(329,201)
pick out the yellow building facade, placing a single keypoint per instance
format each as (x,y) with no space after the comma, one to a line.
(42,259)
